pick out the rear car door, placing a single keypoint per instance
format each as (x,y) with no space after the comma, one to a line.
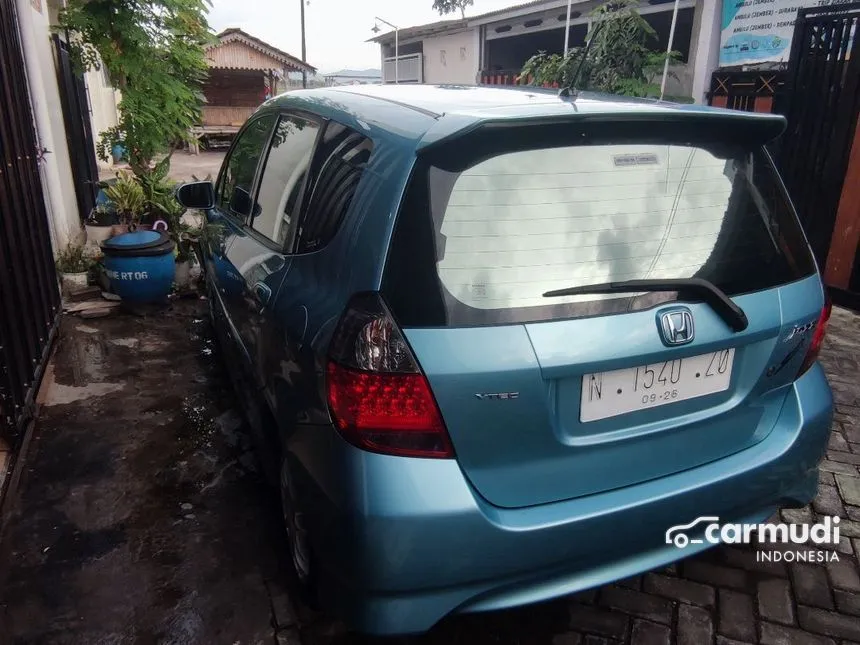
(315,270)
(550,398)
(259,254)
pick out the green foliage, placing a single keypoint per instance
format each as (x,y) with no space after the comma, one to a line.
(444,7)
(127,197)
(75,258)
(153,53)
(619,60)
(157,188)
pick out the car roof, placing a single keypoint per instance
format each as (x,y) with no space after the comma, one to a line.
(434,112)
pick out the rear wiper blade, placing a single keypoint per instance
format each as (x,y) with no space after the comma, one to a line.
(709,292)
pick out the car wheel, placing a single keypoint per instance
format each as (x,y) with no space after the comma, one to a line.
(301,554)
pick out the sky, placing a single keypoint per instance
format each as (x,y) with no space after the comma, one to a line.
(336,30)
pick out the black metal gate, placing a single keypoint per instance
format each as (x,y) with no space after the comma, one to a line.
(76,117)
(824,89)
(29,294)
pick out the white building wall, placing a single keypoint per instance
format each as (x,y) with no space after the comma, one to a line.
(705,47)
(103,100)
(56,169)
(452,58)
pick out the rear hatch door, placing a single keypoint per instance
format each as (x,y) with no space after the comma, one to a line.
(549,398)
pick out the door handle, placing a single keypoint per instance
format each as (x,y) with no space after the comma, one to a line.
(262,293)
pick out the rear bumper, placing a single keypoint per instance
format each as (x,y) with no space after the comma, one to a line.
(401,542)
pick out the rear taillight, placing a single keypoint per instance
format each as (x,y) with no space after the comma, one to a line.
(817,337)
(377,395)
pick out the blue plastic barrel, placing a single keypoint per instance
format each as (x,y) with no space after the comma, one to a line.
(140,265)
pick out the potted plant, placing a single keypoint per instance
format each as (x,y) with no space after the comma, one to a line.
(99,225)
(129,201)
(73,264)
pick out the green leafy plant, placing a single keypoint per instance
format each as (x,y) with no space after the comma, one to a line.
(153,53)
(127,197)
(445,7)
(75,258)
(158,190)
(619,60)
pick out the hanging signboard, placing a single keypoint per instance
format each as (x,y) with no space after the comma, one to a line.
(759,31)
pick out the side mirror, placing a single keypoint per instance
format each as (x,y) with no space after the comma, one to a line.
(199,195)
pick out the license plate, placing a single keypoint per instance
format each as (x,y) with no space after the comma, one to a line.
(608,394)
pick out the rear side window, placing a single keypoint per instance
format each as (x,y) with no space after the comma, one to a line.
(485,242)
(340,164)
(283,177)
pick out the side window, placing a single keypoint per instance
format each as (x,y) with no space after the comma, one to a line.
(343,156)
(234,194)
(284,176)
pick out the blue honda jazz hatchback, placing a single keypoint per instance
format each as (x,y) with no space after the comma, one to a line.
(493,343)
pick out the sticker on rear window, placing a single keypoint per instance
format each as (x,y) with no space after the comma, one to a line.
(643,159)
(478,291)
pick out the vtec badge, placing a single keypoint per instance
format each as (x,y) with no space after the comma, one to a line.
(498,396)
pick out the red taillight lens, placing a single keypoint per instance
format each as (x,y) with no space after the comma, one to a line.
(817,337)
(378,397)
(389,413)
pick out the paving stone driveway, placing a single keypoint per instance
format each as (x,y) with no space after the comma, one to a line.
(138,519)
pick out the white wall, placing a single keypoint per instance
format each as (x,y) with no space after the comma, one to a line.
(103,100)
(56,169)
(705,47)
(452,58)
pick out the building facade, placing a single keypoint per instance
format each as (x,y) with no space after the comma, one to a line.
(492,47)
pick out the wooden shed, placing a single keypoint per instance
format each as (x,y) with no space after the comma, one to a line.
(243,72)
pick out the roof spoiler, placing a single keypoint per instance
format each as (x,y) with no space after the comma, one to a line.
(723,125)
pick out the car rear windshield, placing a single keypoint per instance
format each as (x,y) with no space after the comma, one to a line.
(480,241)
